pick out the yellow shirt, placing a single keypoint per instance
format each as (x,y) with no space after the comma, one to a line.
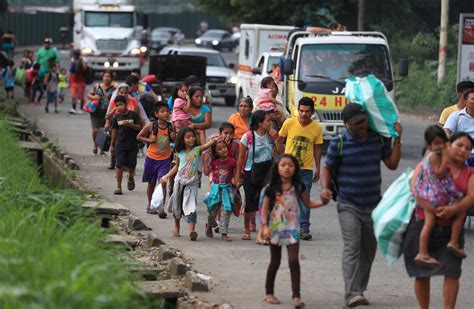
(447,112)
(300,140)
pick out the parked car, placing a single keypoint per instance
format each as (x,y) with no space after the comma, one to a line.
(216,39)
(220,77)
(159,38)
(171,30)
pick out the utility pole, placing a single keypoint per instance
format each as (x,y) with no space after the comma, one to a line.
(443,40)
(361,16)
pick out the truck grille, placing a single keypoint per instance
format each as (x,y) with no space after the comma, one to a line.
(111,44)
(216,80)
(330,115)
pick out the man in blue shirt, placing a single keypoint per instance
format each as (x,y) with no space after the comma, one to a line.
(357,163)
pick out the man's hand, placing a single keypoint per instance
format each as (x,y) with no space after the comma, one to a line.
(316,176)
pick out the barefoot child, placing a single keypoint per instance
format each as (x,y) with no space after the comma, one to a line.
(220,194)
(158,135)
(434,187)
(186,183)
(280,222)
(125,127)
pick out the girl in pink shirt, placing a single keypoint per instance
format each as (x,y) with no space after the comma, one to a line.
(180,116)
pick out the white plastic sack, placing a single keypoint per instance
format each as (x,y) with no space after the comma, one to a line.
(371,94)
(158,198)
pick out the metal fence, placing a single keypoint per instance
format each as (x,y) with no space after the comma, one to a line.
(31,29)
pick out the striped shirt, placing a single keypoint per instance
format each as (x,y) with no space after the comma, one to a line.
(359,176)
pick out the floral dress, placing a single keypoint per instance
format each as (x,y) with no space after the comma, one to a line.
(438,191)
(283,221)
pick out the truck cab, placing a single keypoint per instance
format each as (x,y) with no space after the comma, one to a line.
(107,34)
(317,65)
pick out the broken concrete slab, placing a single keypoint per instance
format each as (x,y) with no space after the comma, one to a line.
(129,241)
(197,282)
(178,267)
(107,208)
(163,289)
(166,253)
(153,240)
(135,224)
(147,273)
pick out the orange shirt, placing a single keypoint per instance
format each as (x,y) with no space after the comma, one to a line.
(239,124)
(160,149)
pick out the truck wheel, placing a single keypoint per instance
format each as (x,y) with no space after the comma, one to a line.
(230,101)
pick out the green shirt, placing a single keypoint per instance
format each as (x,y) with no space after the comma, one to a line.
(42,57)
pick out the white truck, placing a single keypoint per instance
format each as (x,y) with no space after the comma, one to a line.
(107,34)
(260,47)
(316,66)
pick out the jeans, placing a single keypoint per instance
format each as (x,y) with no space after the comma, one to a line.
(305,212)
(37,87)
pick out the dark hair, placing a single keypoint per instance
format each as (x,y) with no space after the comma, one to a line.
(266,81)
(178,86)
(179,143)
(257,118)
(226,125)
(306,101)
(299,22)
(10,62)
(274,182)
(431,133)
(214,149)
(192,80)
(194,89)
(137,70)
(120,98)
(248,100)
(463,85)
(36,66)
(131,80)
(108,72)
(161,104)
(467,93)
(460,134)
(334,25)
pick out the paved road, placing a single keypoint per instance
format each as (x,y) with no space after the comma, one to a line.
(238,268)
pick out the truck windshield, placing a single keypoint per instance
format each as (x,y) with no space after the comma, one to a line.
(108,19)
(214,60)
(334,62)
(272,61)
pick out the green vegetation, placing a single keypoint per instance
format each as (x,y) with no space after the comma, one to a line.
(51,253)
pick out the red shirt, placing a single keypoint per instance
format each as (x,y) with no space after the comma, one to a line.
(223,171)
(149,79)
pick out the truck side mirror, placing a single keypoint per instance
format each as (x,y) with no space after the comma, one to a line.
(256,71)
(403,67)
(231,65)
(288,66)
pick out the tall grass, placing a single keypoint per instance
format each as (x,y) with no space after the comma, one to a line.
(51,254)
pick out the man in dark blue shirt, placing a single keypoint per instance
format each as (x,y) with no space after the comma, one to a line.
(357,162)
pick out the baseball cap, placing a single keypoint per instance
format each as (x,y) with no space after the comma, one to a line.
(48,40)
(353,113)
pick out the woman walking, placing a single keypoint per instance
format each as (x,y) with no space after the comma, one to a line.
(241,119)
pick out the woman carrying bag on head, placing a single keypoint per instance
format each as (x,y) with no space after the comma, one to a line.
(256,158)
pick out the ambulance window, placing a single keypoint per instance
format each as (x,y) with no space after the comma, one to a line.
(296,50)
(247,48)
(260,63)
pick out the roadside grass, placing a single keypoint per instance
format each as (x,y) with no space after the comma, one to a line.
(51,254)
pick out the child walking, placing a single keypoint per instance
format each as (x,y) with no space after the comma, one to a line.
(186,184)
(51,81)
(8,75)
(280,222)
(434,187)
(63,84)
(220,196)
(158,135)
(125,127)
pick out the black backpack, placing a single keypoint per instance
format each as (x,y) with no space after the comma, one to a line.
(154,130)
(89,75)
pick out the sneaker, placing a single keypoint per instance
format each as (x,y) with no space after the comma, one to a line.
(72,111)
(305,236)
(56,111)
(193,236)
(162,215)
(357,300)
(80,112)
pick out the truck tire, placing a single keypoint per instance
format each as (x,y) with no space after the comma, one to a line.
(230,101)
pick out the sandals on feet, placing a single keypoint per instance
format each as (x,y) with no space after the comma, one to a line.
(193,236)
(457,251)
(118,192)
(298,303)
(246,236)
(271,299)
(94,151)
(175,233)
(226,238)
(131,184)
(209,231)
(427,261)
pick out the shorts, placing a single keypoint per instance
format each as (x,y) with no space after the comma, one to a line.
(97,120)
(77,91)
(155,169)
(50,96)
(9,88)
(125,157)
(191,218)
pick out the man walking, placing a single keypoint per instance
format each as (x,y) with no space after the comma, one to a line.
(357,163)
(46,57)
(77,82)
(303,140)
